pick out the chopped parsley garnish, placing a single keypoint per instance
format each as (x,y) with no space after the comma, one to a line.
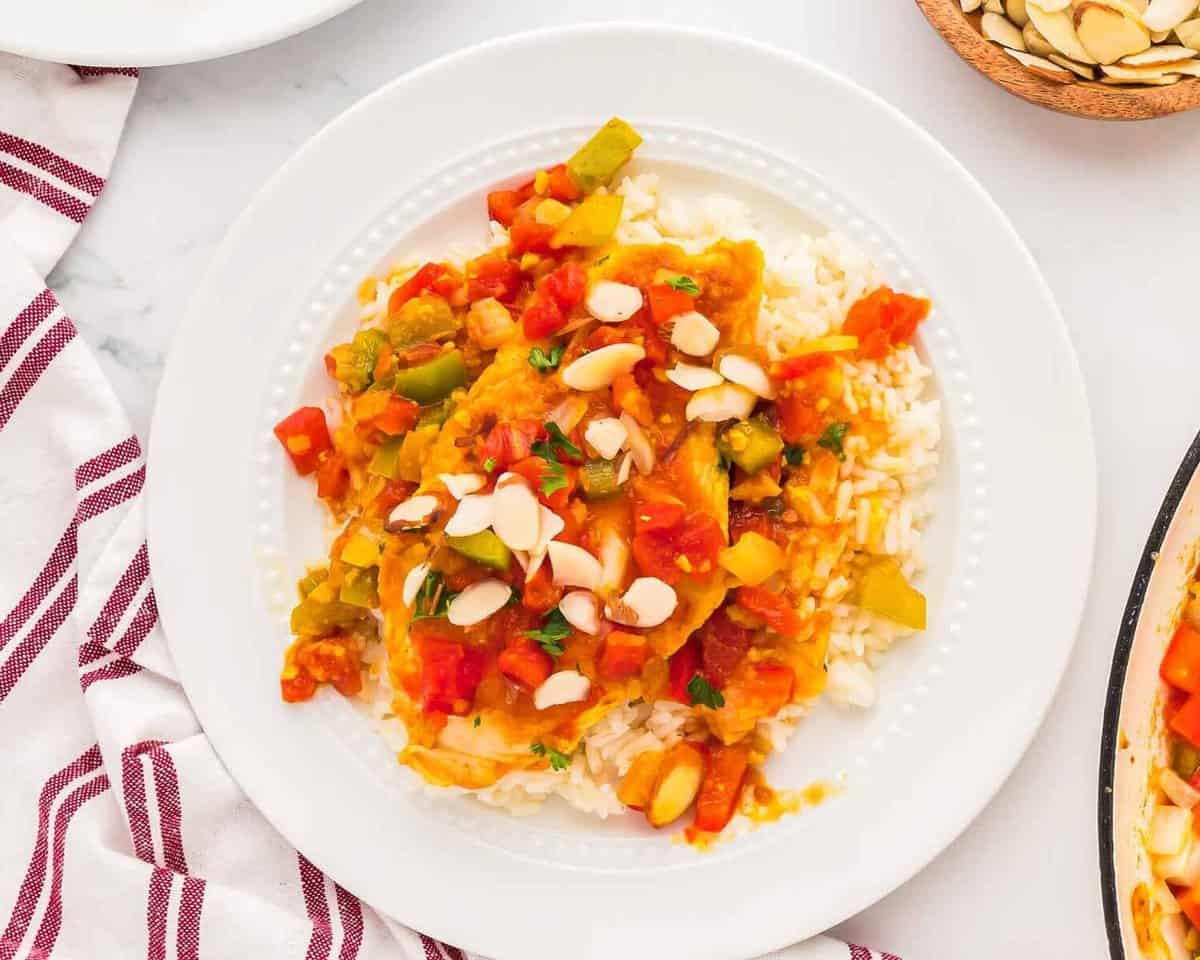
(793,453)
(603,259)
(554,477)
(477,719)
(684,285)
(834,438)
(433,599)
(544,362)
(557,443)
(558,761)
(553,631)
(703,694)
(489,464)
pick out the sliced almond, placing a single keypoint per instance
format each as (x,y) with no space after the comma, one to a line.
(648,602)
(579,610)
(460,484)
(1016,12)
(412,583)
(726,402)
(691,377)
(694,334)
(993,6)
(565,686)
(677,784)
(970,6)
(1159,56)
(1052,6)
(611,302)
(1042,67)
(1167,14)
(550,525)
(1149,80)
(1109,30)
(614,559)
(516,516)
(1151,74)
(474,515)
(1189,34)
(999,29)
(639,445)
(1081,70)
(1158,36)
(573,566)
(624,468)
(606,436)
(412,513)
(1058,27)
(1035,43)
(747,373)
(598,369)
(478,602)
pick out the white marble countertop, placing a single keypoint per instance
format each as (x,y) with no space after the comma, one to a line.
(1108,210)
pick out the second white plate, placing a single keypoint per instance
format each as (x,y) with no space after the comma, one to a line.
(1009,554)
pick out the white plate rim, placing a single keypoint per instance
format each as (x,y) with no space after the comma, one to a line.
(121,38)
(760,939)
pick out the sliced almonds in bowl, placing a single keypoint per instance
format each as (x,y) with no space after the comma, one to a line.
(1140,42)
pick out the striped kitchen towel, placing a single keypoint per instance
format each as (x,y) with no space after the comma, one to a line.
(121,834)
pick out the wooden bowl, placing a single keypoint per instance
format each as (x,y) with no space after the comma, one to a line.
(1082,98)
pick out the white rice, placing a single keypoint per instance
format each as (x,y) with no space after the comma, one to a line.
(883,495)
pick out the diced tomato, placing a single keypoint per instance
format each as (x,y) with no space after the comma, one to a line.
(562,187)
(666,302)
(723,644)
(333,478)
(1189,903)
(624,655)
(502,204)
(539,593)
(768,687)
(567,285)
(450,672)
(399,416)
(526,235)
(535,471)
(683,665)
(436,277)
(493,276)
(396,492)
(774,608)
(799,419)
(305,436)
(509,442)
(795,367)
(297,688)
(525,663)
(657,515)
(632,399)
(700,541)
(722,786)
(1181,664)
(542,317)
(884,318)
(1186,721)
(655,555)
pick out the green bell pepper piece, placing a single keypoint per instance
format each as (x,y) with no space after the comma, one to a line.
(421,320)
(484,548)
(432,381)
(751,444)
(598,479)
(1185,759)
(361,588)
(313,619)
(597,161)
(354,362)
(435,415)
(386,462)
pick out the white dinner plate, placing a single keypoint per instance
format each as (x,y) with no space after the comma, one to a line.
(147,33)
(405,172)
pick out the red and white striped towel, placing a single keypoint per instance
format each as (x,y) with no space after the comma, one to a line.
(121,834)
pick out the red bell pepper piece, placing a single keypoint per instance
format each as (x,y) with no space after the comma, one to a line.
(1181,665)
(438,278)
(525,663)
(722,786)
(683,665)
(493,276)
(624,655)
(795,367)
(561,186)
(1186,721)
(305,436)
(450,673)
(774,608)
(398,416)
(539,593)
(884,318)
(502,204)
(333,477)
(1189,903)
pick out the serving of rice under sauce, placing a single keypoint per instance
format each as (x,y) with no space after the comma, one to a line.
(619,495)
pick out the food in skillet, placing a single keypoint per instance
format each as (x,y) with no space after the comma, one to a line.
(1168,915)
(622,494)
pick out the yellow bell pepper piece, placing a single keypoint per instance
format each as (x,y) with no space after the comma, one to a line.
(591,224)
(360,551)
(753,558)
(412,452)
(835,343)
(597,161)
(882,589)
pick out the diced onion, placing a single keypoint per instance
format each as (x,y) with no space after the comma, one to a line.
(1178,790)
(1170,829)
(568,413)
